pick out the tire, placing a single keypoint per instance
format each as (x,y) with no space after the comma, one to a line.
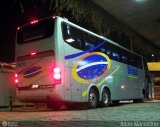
(141,100)
(115,102)
(138,100)
(106,98)
(92,99)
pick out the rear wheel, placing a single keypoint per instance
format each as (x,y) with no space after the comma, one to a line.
(115,102)
(93,99)
(138,100)
(141,100)
(105,98)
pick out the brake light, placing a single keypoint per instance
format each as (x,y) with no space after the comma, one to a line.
(57,75)
(34,21)
(16,75)
(33,53)
(16,78)
(53,17)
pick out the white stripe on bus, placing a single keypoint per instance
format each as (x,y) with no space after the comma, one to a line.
(91,64)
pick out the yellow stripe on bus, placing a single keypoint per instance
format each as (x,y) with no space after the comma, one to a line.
(131,76)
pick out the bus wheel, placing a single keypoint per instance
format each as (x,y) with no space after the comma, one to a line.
(105,98)
(93,99)
(138,100)
(115,102)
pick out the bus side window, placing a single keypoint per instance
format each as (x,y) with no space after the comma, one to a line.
(108,51)
(136,61)
(90,41)
(124,59)
(115,53)
(139,62)
(88,46)
(115,56)
(72,36)
(102,50)
(124,56)
(132,60)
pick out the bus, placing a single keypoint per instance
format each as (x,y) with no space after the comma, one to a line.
(59,61)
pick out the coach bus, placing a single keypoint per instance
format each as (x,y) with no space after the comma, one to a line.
(59,61)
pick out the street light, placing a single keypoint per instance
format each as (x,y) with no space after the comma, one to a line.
(152,55)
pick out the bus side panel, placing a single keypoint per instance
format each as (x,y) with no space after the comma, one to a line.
(124,85)
(67,86)
(75,87)
(117,75)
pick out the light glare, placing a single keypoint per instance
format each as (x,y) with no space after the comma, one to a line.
(56,70)
(35,86)
(16,80)
(122,87)
(16,75)
(70,40)
(35,21)
(33,53)
(57,76)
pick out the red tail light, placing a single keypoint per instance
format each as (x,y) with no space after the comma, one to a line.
(16,75)
(34,22)
(57,75)
(53,17)
(33,53)
(16,78)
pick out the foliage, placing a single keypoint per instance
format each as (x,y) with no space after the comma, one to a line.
(101,21)
(105,23)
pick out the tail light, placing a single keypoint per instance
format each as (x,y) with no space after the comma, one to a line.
(57,75)
(33,53)
(34,22)
(53,17)
(16,78)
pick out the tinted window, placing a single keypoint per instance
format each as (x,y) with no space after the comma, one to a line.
(73,36)
(41,29)
(108,48)
(136,61)
(84,41)
(125,56)
(91,42)
(115,53)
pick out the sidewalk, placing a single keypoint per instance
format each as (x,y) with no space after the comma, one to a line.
(151,100)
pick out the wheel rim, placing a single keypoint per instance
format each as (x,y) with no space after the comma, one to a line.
(105,98)
(92,99)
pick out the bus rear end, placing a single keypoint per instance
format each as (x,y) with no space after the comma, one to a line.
(38,76)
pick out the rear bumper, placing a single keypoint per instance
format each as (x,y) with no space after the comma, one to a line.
(42,95)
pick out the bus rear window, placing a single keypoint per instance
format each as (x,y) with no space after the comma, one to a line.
(32,32)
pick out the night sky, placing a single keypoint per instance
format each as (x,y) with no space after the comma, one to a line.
(8,23)
(11,16)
